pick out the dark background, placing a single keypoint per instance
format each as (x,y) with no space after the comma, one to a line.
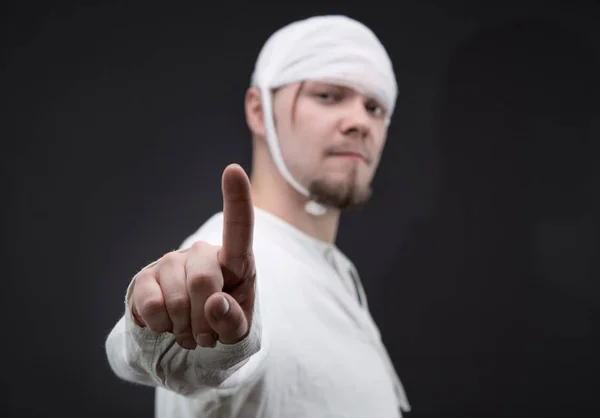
(479,251)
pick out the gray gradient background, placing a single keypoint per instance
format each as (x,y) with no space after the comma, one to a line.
(479,251)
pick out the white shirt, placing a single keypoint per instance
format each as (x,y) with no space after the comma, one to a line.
(313,350)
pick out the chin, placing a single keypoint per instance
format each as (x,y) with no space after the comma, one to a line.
(341,194)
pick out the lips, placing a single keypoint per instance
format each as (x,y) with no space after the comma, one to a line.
(349,154)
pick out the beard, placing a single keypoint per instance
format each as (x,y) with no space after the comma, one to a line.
(342,196)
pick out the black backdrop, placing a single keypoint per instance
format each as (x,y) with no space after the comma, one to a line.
(479,251)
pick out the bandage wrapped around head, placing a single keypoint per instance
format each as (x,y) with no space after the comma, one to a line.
(331,49)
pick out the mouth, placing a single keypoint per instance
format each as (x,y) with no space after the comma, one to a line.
(352,156)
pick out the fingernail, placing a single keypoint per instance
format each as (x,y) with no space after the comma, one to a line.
(218,313)
(205,340)
(225,305)
(188,344)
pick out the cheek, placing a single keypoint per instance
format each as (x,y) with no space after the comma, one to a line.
(378,145)
(309,139)
(300,152)
(315,121)
(380,134)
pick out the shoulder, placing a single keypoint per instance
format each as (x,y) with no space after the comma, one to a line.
(265,243)
(211,231)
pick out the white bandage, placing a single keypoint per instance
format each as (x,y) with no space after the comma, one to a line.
(332,49)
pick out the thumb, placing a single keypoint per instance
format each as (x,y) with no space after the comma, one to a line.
(226,317)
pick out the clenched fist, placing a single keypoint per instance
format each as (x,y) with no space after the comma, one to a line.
(205,293)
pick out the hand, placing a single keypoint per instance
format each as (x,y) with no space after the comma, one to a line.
(205,293)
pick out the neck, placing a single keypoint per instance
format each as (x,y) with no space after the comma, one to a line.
(273,194)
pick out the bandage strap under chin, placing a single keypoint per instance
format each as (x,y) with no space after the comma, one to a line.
(312,207)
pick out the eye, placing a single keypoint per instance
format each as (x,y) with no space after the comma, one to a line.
(375,109)
(324,95)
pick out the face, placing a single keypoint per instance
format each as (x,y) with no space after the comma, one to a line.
(331,138)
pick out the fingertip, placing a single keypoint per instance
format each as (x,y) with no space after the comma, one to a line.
(206,339)
(226,317)
(234,166)
(234,173)
(186,343)
(232,169)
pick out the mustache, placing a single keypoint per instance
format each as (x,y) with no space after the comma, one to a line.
(350,149)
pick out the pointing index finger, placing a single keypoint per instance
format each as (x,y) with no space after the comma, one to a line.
(238,211)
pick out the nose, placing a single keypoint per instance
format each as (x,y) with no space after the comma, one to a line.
(356,120)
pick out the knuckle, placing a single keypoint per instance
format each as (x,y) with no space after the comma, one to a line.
(178,303)
(171,259)
(152,307)
(144,276)
(199,246)
(200,282)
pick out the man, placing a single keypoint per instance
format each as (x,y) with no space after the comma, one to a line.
(259,313)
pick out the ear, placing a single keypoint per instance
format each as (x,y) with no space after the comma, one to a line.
(254,112)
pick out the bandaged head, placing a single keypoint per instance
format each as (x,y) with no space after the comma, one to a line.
(329,49)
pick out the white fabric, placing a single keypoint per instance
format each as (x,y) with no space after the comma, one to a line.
(334,49)
(313,351)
